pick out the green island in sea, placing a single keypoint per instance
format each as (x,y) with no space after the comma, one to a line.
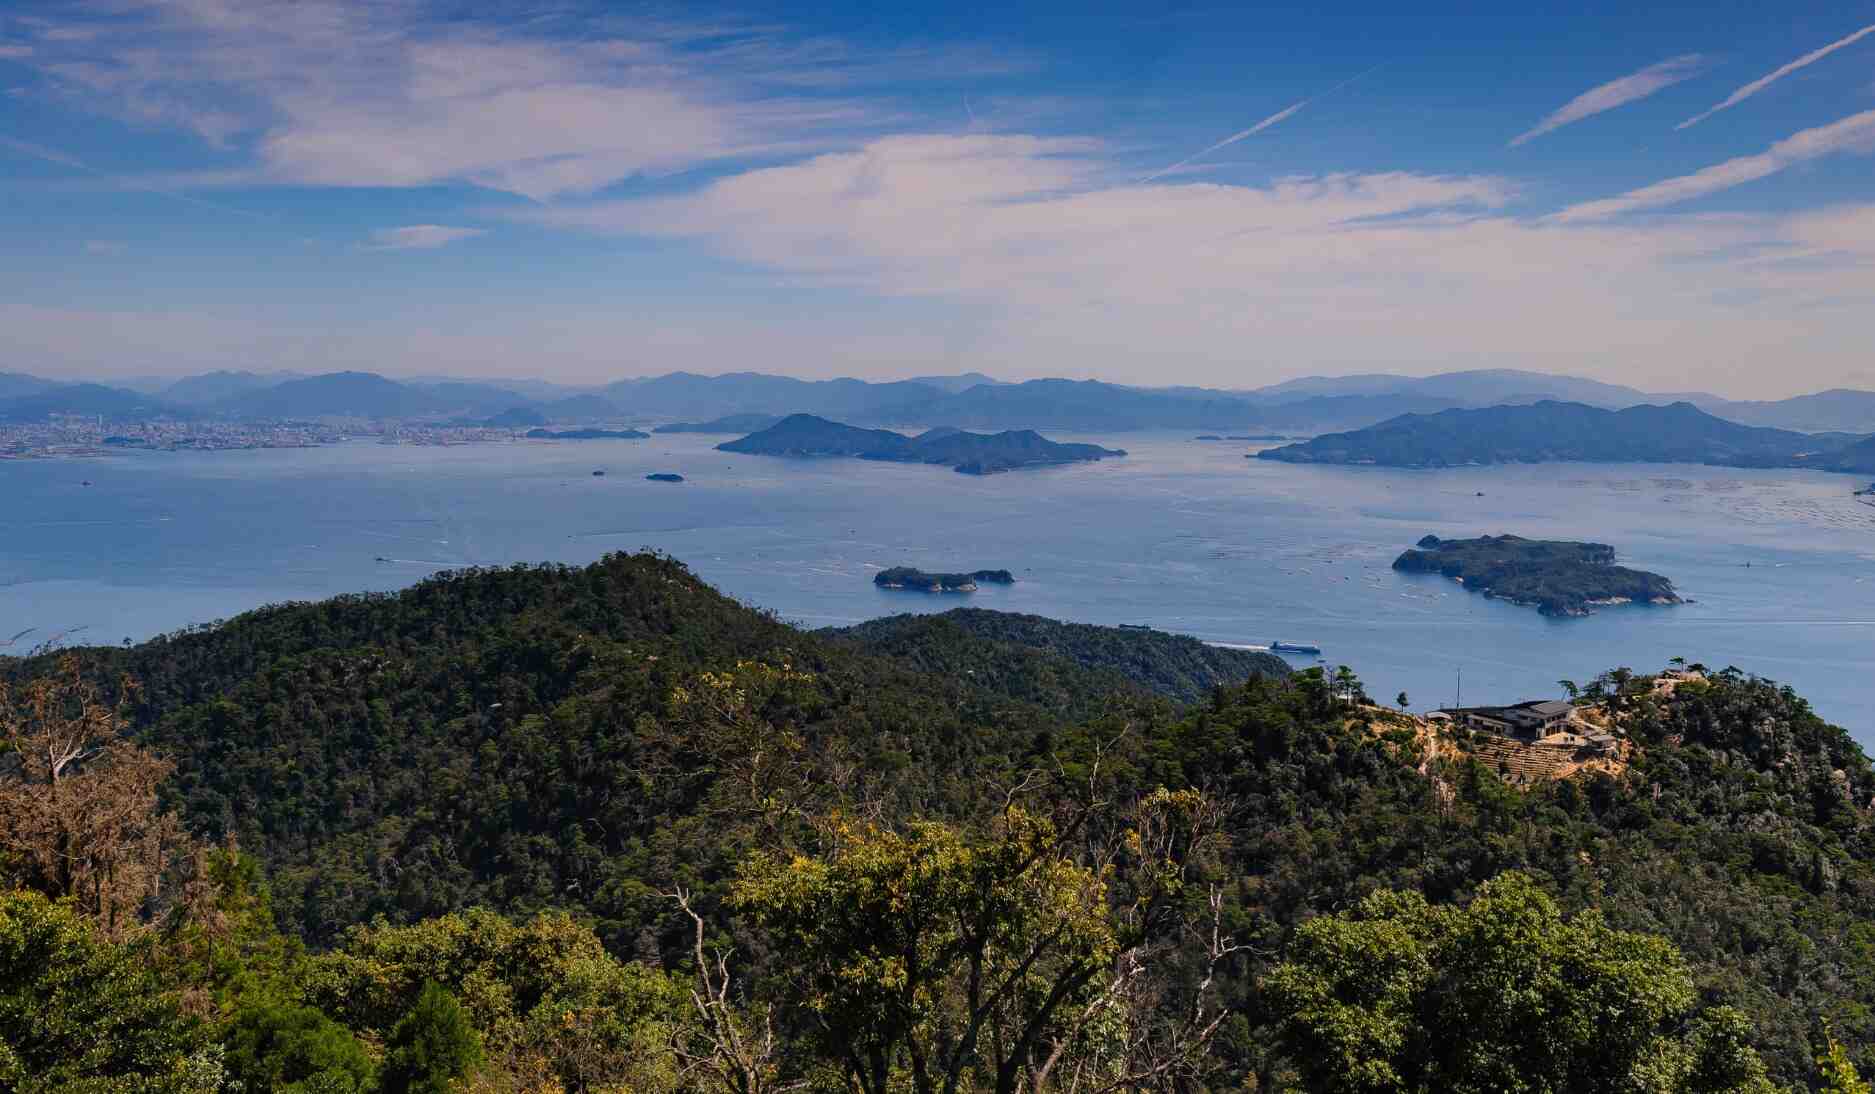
(1559,577)
(907,577)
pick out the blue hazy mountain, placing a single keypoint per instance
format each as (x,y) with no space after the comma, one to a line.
(1080,405)
(209,388)
(93,400)
(15,385)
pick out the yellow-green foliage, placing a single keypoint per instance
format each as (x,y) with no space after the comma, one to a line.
(1502,995)
(918,950)
(79,1013)
(544,995)
(1838,1074)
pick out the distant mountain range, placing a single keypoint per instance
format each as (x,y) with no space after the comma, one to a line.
(86,400)
(216,387)
(970,453)
(971,400)
(1474,387)
(1546,431)
(17,385)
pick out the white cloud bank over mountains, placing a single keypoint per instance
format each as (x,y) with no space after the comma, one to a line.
(1337,270)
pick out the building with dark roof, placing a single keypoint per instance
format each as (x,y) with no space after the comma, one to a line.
(1532,719)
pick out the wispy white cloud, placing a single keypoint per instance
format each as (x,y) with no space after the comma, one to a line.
(1282,115)
(1855,133)
(53,155)
(12,52)
(405,93)
(1616,93)
(1760,84)
(420,237)
(105,247)
(1052,268)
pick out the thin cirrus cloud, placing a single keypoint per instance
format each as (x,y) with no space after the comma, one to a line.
(1855,133)
(420,237)
(1282,115)
(1614,93)
(366,94)
(1760,84)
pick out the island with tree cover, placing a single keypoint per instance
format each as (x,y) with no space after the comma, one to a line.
(1857,457)
(907,577)
(969,453)
(1548,431)
(664,476)
(586,435)
(729,423)
(1559,577)
(602,828)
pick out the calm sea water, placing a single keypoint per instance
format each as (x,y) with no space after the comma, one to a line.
(1184,535)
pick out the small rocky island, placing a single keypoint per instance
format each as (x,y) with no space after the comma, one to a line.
(969,453)
(906,577)
(1559,577)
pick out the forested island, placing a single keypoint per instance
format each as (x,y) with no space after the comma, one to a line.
(969,453)
(729,423)
(1546,431)
(602,828)
(906,577)
(1559,577)
(586,435)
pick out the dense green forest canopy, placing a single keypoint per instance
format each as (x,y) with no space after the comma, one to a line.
(595,828)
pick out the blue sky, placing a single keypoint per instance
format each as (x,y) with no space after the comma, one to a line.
(1677,198)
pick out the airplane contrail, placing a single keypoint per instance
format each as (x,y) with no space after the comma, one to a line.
(1761,83)
(53,155)
(1284,114)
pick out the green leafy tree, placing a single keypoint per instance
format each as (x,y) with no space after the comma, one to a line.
(80,1013)
(296,1050)
(1837,1073)
(546,998)
(432,1047)
(930,960)
(1502,995)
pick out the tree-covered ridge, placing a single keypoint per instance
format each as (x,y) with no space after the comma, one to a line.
(659,750)
(1560,577)
(1174,665)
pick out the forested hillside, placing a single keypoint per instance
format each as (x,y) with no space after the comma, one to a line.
(606,829)
(1014,648)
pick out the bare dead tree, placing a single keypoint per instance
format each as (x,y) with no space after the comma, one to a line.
(78,815)
(738,1052)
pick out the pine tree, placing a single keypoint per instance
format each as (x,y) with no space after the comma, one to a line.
(431,1047)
